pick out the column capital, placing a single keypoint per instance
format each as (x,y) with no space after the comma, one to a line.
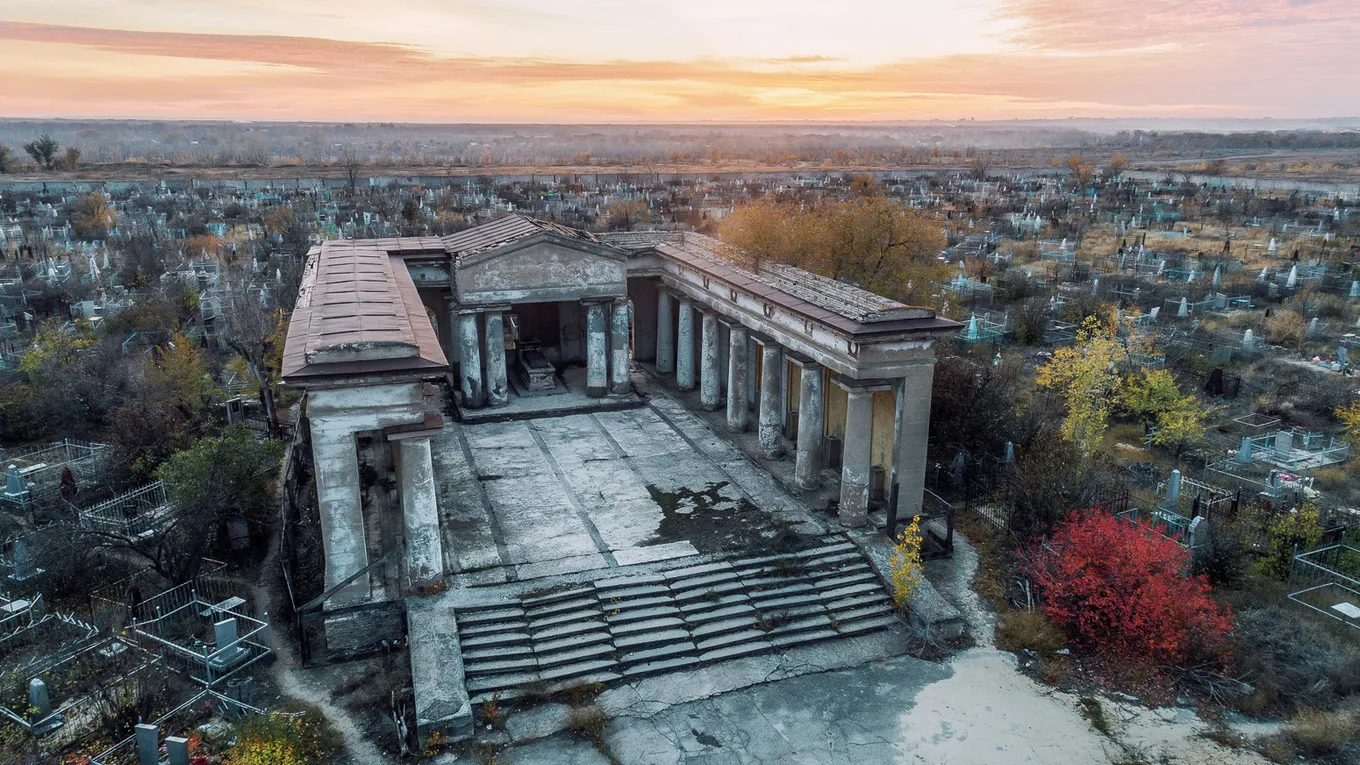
(801,361)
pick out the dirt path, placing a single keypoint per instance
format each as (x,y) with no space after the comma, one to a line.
(286,670)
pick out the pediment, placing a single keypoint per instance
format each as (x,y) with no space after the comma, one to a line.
(544,267)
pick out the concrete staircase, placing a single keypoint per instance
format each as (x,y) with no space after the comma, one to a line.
(628,627)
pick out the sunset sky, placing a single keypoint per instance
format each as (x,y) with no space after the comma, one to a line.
(652,60)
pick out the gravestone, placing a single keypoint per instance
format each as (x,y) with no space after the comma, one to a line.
(1343,357)
(1197,535)
(1218,276)
(1248,340)
(23,568)
(148,744)
(1220,301)
(1292,281)
(177,750)
(1284,442)
(1010,453)
(229,650)
(1261,278)
(1313,327)
(1173,487)
(1244,452)
(1184,310)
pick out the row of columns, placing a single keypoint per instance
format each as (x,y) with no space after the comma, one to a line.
(675,353)
(607,350)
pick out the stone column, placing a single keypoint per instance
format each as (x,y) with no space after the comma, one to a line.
(855,457)
(597,355)
(913,433)
(684,346)
(470,358)
(807,467)
(710,391)
(618,347)
(771,421)
(420,514)
(497,386)
(738,348)
(665,333)
(336,459)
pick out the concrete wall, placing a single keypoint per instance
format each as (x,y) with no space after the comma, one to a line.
(643,293)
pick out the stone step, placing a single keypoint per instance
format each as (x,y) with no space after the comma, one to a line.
(723,626)
(562,606)
(567,617)
(716,591)
(705,581)
(624,582)
(563,630)
(652,654)
(645,625)
(730,638)
(760,583)
(469,630)
(801,638)
(734,651)
(577,669)
(498,682)
(867,625)
(557,658)
(648,639)
(798,624)
(487,615)
(633,604)
(850,591)
(642,614)
(795,612)
(797,588)
(723,612)
(797,600)
(705,604)
(825,550)
(572,641)
(659,666)
(833,560)
(497,654)
(497,639)
(865,612)
(554,597)
(628,593)
(688,572)
(499,667)
(856,601)
(834,582)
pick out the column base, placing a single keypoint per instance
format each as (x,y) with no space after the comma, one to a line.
(596,391)
(854,508)
(771,443)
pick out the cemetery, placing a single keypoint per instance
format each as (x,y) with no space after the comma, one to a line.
(494,440)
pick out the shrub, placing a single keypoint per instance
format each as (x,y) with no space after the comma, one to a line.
(1029,630)
(1298,529)
(1292,661)
(1120,588)
(906,569)
(1286,328)
(1223,561)
(282,738)
(1317,732)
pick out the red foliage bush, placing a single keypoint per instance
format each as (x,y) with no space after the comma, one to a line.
(1117,587)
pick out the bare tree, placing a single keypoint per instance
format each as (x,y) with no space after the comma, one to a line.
(352,162)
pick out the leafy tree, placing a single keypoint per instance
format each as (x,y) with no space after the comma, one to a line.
(970,406)
(1086,375)
(217,480)
(71,160)
(92,216)
(1121,589)
(55,350)
(1299,529)
(1052,477)
(5,158)
(43,151)
(1082,170)
(1349,414)
(873,242)
(1153,397)
(1116,167)
(1182,425)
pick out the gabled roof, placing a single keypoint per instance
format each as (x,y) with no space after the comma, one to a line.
(503,230)
(358,313)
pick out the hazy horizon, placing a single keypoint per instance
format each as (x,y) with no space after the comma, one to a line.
(704,61)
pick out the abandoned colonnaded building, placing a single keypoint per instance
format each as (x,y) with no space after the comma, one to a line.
(532,318)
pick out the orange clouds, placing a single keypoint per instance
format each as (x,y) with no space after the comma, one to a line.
(1095,57)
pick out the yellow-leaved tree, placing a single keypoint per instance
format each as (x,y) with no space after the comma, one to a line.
(1153,396)
(1086,375)
(907,571)
(873,242)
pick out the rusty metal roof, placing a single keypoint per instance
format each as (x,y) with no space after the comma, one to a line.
(504,230)
(358,313)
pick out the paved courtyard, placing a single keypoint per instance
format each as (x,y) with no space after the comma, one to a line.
(556,495)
